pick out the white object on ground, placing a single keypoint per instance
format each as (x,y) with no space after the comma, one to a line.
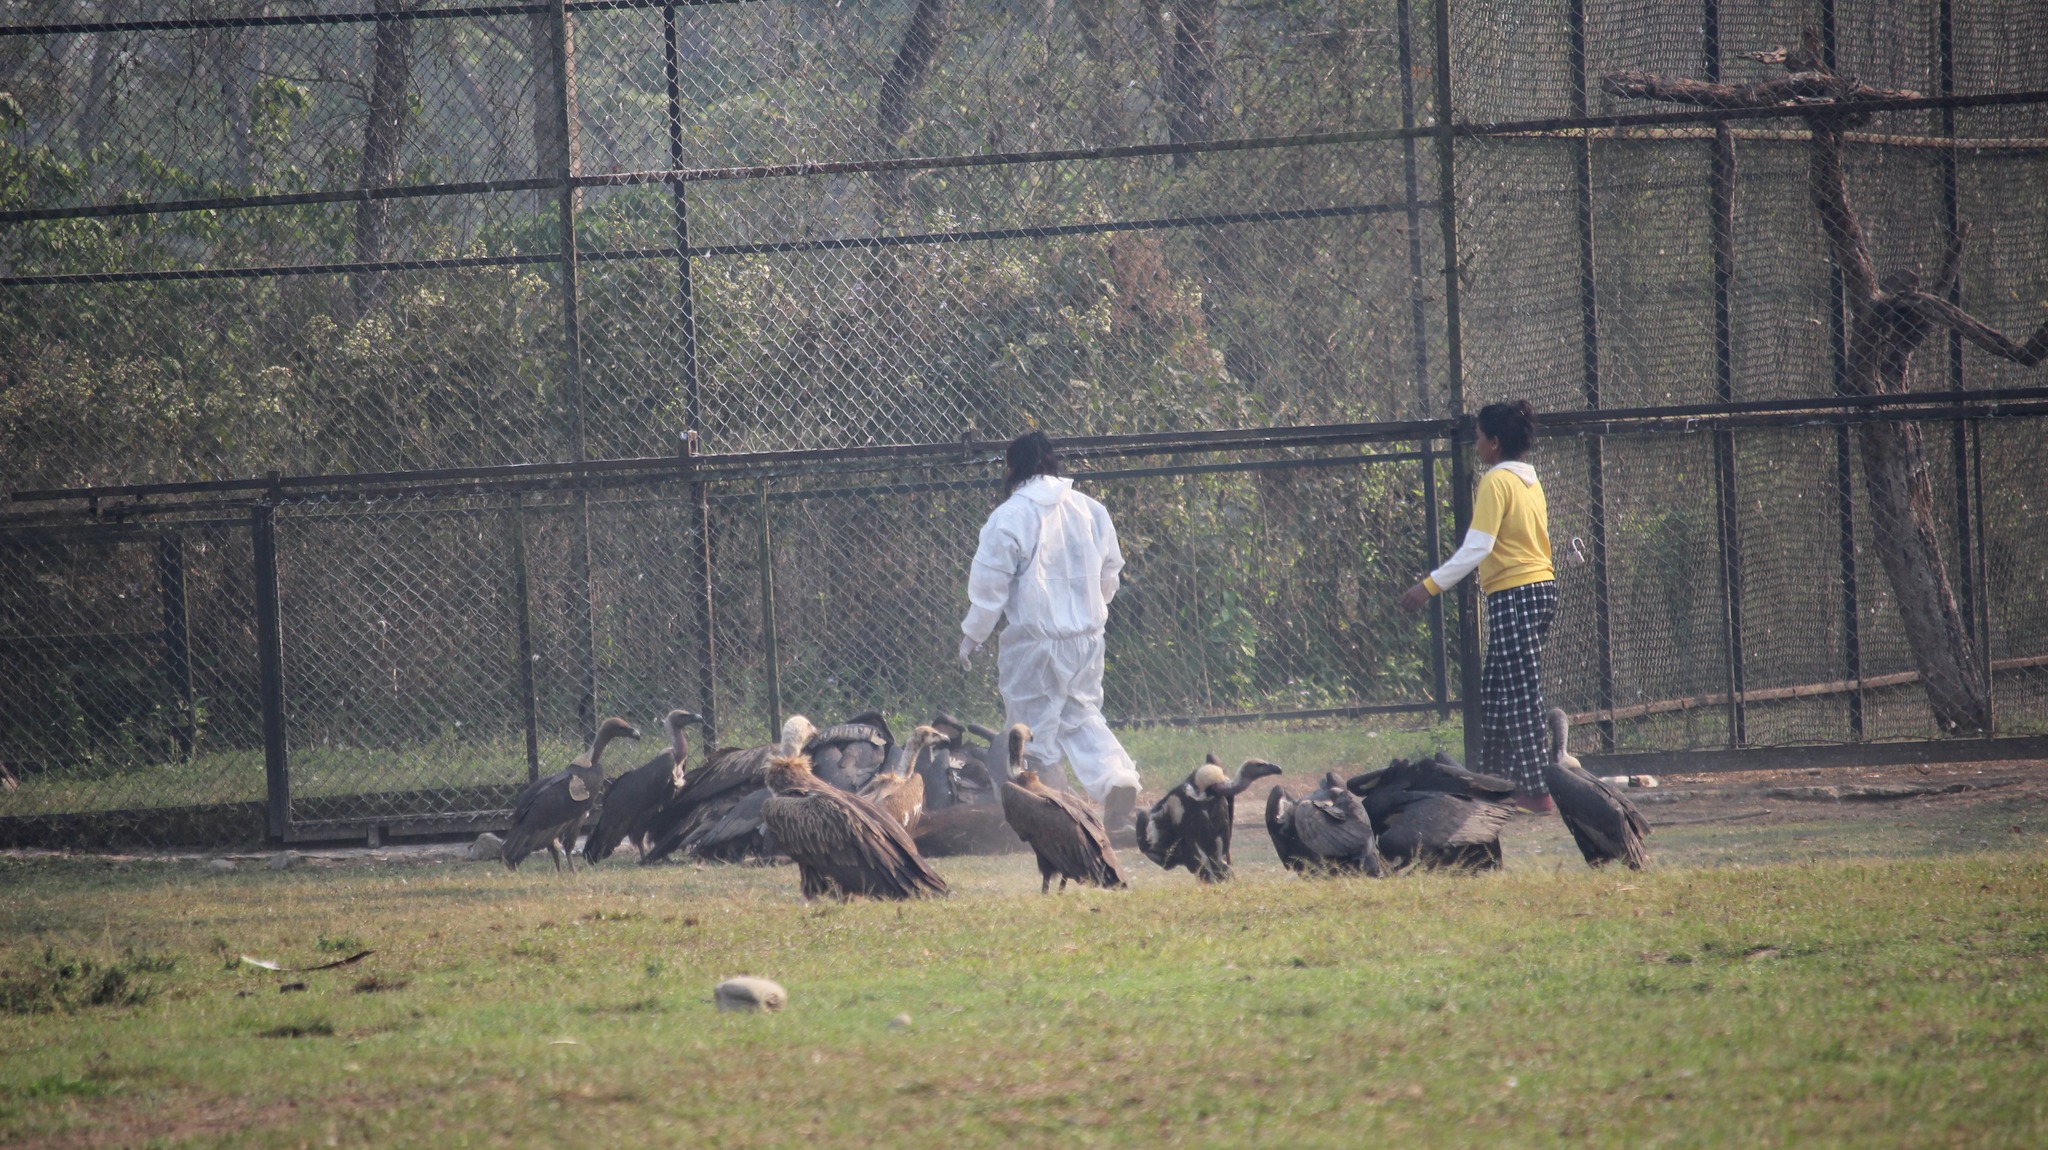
(749,994)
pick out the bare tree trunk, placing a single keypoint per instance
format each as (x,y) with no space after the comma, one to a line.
(383,137)
(1193,97)
(557,138)
(922,38)
(98,104)
(228,57)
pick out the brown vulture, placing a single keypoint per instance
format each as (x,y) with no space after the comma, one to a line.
(899,791)
(842,844)
(633,799)
(1061,829)
(550,812)
(1324,832)
(1190,826)
(1605,824)
(717,813)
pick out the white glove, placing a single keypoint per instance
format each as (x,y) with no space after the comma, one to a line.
(968,646)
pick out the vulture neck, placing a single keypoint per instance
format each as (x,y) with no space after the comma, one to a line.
(597,746)
(679,742)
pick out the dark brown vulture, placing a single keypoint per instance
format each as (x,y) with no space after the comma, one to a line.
(633,799)
(1061,829)
(718,797)
(1604,823)
(1324,832)
(846,755)
(1190,826)
(1435,813)
(550,812)
(954,771)
(842,844)
(899,791)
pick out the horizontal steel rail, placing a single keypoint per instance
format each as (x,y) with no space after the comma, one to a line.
(1681,418)
(869,243)
(1504,128)
(322,19)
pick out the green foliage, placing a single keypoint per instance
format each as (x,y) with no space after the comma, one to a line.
(57,983)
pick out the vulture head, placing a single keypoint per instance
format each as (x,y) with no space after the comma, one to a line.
(612,728)
(1209,781)
(797,731)
(921,740)
(791,774)
(1018,736)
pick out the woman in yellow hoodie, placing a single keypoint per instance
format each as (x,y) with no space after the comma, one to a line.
(1509,543)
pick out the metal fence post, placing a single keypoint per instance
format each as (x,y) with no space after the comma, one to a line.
(1454,376)
(1845,489)
(1589,381)
(1968,587)
(177,635)
(270,667)
(771,651)
(1727,533)
(522,616)
(701,592)
(693,400)
(1418,326)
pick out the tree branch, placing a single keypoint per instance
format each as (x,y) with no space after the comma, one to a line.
(2028,354)
(1951,262)
(1830,192)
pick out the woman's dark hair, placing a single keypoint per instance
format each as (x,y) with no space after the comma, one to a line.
(1030,454)
(1514,424)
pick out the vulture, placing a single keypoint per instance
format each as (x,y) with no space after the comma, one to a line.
(843,845)
(1435,813)
(955,773)
(1605,824)
(632,800)
(550,812)
(900,791)
(1324,832)
(717,813)
(1190,826)
(848,754)
(1060,828)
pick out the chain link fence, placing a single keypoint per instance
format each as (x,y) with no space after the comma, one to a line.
(392,390)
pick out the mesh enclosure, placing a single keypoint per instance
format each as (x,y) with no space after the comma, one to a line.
(418,384)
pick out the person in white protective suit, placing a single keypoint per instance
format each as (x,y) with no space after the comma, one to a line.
(1048,562)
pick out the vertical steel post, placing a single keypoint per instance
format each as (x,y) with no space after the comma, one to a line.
(522,622)
(1967,586)
(1852,623)
(771,651)
(177,636)
(564,165)
(1454,376)
(1845,490)
(270,666)
(693,398)
(1589,380)
(1984,573)
(1418,321)
(1728,534)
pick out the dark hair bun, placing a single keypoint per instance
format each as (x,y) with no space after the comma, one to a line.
(1512,423)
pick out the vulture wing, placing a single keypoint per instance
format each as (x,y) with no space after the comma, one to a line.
(1064,833)
(1331,823)
(1442,829)
(1606,825)
(848,755)
(728,771)
(629,802)
(729,829)
(1280,808)
(543,810)
(842,843)
(901,798)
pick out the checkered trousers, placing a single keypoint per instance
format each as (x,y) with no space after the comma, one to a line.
(1513,742)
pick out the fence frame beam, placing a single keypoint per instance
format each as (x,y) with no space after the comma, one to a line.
(277,777)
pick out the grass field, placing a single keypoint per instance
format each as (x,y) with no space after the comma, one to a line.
(1827,998)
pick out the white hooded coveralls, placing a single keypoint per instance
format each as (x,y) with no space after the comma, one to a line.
(1048,561)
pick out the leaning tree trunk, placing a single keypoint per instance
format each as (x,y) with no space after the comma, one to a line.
(1884,330)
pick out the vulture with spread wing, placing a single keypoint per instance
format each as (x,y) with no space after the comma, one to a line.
(1435,813)
(847,755)
(550,812)
(1190,826)
(1603,822)
(843,845)
(1060,827)
(717,813)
